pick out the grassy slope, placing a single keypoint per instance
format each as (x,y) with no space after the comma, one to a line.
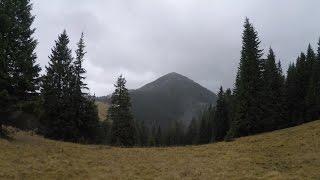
(286,154)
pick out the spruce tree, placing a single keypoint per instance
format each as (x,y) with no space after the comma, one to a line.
(17,51)
(248,85)
(86,115)
(221,118)
(192,132)
(5,98)
(273,94)
(229,101)
(58,121)
(313,91)
(123,130)
(302,81)
(204,128)
(310,62)
(292,100)
(19,73)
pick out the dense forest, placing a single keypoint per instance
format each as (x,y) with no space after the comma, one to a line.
(263,98)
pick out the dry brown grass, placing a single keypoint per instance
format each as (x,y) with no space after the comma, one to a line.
(286,154)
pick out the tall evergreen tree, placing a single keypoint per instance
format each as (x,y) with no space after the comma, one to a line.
(205,128)
(292,100)
(123,130)
(19,73)
(310,62)
(229,101)
(313,91)
(58,120)
(248,85)
(86,115)
(221,118)
(273,94)
(302,80)
(18,48)
(4,63)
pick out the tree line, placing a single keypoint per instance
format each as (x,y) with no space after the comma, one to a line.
(263,98)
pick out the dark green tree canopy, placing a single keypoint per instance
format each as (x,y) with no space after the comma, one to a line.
(123,129)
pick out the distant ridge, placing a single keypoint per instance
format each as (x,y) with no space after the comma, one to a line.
(170,97)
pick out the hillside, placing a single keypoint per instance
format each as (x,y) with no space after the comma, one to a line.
(286,154)
(171,97)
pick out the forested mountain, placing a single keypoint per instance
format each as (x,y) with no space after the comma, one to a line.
(169,98)
(172,97)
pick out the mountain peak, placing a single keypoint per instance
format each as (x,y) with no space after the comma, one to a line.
(168,80)
(173,75)
(169,98)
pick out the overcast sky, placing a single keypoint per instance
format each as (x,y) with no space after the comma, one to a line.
(145,39)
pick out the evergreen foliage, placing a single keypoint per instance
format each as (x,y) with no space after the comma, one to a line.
(123,129)
(273,94)
(142,134)
(58,115)
(69,114)
(248,85)
(313,91)
(175,135)
(192,132)
(158,137)
(263,98)
(221,118)
(19,73)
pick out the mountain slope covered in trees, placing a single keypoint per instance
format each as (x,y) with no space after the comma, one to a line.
(170,98)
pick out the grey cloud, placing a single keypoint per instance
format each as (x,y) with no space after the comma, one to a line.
(144,39)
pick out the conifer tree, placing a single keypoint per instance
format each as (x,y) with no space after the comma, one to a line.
(58,121)
(292,100)
(221,118)
(310,62)
(248,85)
(86,115)
(17,50)
(19,73)
(229,101)
(302,81)
(123,130)
(313,91)
(205,129)
(273,94)
(4,64)
(192,132)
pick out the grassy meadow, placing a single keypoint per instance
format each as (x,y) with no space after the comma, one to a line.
(292,153)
